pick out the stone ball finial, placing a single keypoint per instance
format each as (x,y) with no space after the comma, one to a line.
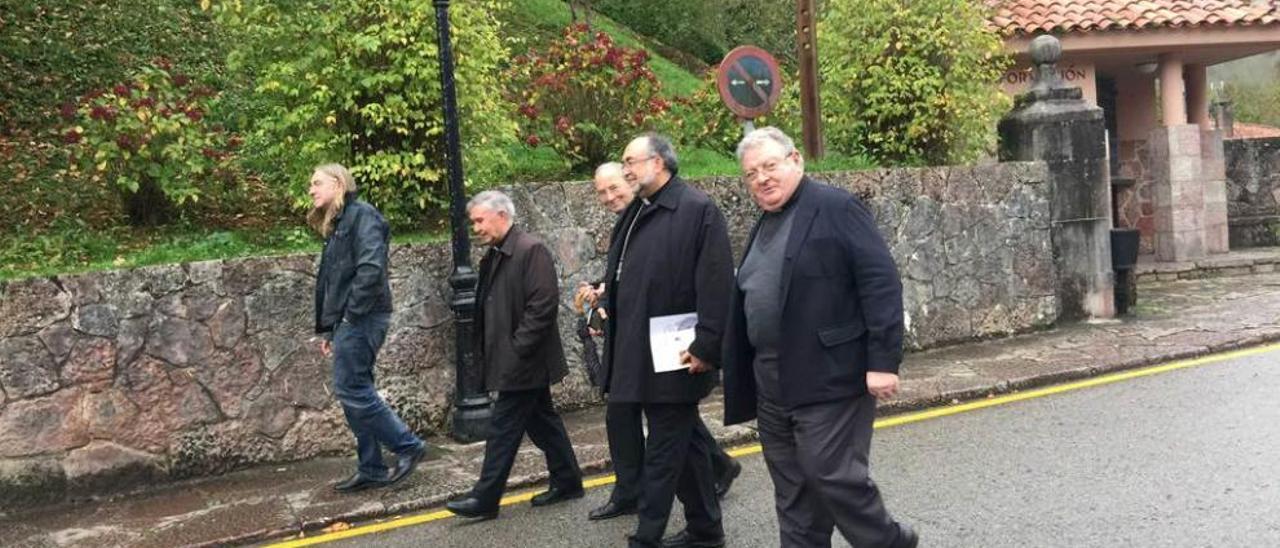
(1046,49)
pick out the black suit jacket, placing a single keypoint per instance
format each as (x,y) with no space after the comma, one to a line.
(841,307)
(678,261)
(352,280)
(517,328)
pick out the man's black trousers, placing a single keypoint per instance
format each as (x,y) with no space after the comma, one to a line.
(817,456)
(514,415)
(625,429)
(676,464)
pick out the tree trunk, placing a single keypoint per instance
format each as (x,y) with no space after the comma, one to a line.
(148,206)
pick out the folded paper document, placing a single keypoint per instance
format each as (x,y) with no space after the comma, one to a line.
(668,337)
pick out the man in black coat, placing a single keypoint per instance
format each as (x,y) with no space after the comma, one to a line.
(623,421)
(814,338)
(520,355)
(669,254)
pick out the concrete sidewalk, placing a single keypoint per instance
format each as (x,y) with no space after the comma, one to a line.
(1174,319)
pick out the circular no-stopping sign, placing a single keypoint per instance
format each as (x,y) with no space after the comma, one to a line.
(749,81)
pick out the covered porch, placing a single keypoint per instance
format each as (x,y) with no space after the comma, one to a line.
(1146,65)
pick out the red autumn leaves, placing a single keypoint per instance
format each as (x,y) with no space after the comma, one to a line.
(583,95)
(156,94)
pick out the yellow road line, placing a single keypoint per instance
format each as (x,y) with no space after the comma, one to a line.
(1068,387)
(881,423)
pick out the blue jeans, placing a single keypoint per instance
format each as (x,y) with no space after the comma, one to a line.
(355,347)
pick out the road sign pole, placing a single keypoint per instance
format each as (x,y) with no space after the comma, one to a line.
(807,50)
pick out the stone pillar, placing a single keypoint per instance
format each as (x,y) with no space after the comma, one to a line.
(1173,102)
(1213,166)
(1224,118)
(1178,188)
(1197,82)
(1054,124)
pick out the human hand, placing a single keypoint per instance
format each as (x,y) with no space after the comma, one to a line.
(882,385)
(326,347)
(585,297)
(695,365)
(598,332)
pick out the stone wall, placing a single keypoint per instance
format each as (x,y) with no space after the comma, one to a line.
(1253,191)
(109,380)
(1137,207)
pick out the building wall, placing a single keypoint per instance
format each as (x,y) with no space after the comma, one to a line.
(111,378)
(1018,79)
(1253,191)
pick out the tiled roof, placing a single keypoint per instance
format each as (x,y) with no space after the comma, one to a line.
(1241,130)
(1026,17)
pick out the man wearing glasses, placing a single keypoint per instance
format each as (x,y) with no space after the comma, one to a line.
(814,338)
(623,421)
(669,254)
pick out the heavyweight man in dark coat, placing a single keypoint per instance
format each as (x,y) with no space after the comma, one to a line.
(814,337)
(669,254)
(520,355)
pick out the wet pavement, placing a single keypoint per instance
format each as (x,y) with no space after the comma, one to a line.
(1173,319)
(1182,458)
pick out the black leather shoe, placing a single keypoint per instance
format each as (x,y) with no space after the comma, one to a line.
(726,479)
(470,507)
(685,540)
(612,510)
(358,482)
(406,463)
(556,494)
(907,537)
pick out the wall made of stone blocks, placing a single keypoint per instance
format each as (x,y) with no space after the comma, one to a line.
(1177,171)
(1138,206)
(1253,192)
(114,379)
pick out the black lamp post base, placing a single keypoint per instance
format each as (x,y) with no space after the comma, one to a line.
(471,419)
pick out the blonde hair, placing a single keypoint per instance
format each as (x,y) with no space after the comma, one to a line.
(321,218)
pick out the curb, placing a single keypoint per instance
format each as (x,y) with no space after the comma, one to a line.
(743,437)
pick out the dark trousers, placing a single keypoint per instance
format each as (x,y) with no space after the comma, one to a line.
(625,430)
(817,457)
(624,427)
(355,347)
(676,464)
(515,414)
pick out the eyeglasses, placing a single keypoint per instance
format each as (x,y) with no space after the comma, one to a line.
(767,169)
(631,162)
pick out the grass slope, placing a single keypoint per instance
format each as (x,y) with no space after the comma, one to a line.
(533,21)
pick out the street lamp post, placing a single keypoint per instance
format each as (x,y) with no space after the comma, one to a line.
(471,404)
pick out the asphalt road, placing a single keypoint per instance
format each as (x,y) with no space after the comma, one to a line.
(1187,458)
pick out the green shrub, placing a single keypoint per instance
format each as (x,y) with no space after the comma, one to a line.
(1256,103)
(693,26)
(910,82)
(768,25)
(358,82)
(585,96)
(149,136)
(702,120)
(52,51)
